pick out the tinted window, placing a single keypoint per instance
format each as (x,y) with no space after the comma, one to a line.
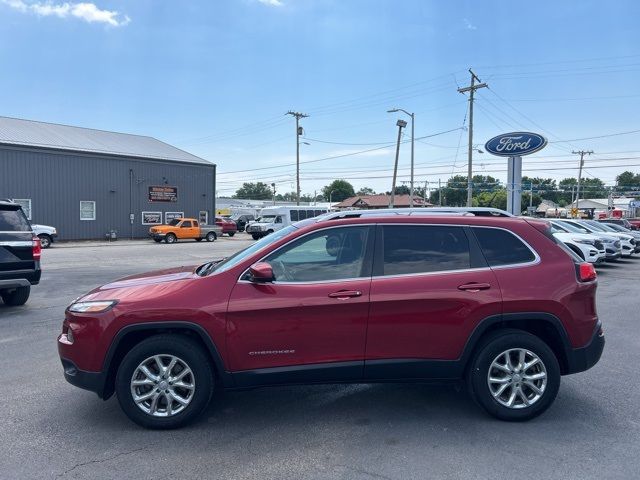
(186,224)
(13,221)
(294,215)
(332,254)
(420,249)
(501,247)
(302,214)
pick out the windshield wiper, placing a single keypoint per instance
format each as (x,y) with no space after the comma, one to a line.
(204,270)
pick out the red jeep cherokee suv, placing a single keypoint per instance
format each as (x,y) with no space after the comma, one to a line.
(347,297)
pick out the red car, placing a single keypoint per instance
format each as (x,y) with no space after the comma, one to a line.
(349,297)
(228,226)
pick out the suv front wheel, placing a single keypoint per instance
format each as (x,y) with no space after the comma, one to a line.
(514,375)
(164,382)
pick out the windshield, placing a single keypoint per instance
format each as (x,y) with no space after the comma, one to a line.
(616,228)
(596,226)
(238,257)
(174,222)
(574,227)
(266,219)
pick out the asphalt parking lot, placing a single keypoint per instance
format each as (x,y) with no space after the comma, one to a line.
(50,429)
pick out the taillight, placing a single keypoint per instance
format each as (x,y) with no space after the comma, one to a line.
(586,272)
(36,249)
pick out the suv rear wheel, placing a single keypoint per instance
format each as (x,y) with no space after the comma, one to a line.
(164,382)
(16,297)
(514,375)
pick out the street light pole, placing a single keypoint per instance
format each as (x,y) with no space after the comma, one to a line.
(330,195)
(413,122)
(298,116)
(401,124)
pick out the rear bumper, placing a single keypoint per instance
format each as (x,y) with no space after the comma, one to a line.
(581,359)
(20,278)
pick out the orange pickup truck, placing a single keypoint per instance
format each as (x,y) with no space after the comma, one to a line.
(184,228)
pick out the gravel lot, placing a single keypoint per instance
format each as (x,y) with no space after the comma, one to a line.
(51,429)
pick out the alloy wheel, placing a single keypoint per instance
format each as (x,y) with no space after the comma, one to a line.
(162,385)
(517,378)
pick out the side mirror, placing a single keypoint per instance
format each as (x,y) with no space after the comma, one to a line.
(261,272)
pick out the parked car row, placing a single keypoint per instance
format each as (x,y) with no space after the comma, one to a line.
(596,241)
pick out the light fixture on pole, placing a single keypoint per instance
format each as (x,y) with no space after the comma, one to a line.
(330,195)
(401,124)
(413,121)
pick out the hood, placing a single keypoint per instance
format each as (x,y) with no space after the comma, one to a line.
(158,282)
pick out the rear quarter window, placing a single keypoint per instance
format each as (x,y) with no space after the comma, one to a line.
(501,247)
(13,220)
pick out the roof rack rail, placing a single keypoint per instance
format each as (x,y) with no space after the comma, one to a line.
(382,212)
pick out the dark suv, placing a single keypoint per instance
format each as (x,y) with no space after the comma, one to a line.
(346,297)
(19,255)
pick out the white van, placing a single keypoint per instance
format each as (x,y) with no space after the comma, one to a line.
(275,218)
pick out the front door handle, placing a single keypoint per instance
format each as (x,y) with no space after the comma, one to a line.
(344,294)
(474,287)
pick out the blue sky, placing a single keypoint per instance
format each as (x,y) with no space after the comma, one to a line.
(215,77)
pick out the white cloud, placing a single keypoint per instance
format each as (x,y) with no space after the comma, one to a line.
(272,3)
(88,12)
(468,25)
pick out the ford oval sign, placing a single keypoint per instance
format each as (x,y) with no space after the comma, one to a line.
(515,144)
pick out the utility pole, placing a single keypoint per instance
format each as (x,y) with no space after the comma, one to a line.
(439,193)
(274,192)
(426,194)
(401,124)
(471,89)
(530,195)
(298,116)
(582,153)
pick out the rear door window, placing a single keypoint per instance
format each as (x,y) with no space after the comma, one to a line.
(422,249)
(501,247)
(13,220)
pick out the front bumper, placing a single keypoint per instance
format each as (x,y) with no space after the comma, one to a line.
(158,236)
(93,381)
(581,359)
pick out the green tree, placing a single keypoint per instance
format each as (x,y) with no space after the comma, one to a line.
(400,190)
(628,183)
(254,191)
(338,190)
(366,191)
(543,188)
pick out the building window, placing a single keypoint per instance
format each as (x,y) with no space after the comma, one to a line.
(25,203)
(87,210)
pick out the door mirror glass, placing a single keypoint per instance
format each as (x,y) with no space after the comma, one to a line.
(261,272)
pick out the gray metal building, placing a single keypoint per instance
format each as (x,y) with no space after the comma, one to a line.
(88,182)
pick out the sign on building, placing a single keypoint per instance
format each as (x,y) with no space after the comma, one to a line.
(163,194)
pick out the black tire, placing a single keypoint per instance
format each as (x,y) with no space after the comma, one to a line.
(211,237)
(198,239)
(491,348)
(231,234)
(255,237)
(171,238)
(186,350)
(157,240)
(16,297)
(269,232)
(45,240)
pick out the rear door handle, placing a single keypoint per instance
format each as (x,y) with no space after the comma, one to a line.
(474,287)
(344,294)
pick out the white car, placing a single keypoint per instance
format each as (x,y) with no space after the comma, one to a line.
(273,219)
(612,247)
(627,241)
(585,245)
(45,233)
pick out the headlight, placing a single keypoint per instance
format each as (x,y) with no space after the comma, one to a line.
(583,240)
(92,307)
(55,232)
